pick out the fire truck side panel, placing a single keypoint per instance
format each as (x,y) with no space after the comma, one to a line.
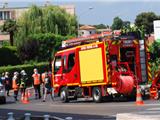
(92,65)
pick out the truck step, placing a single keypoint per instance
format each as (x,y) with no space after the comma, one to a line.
(71,90)
(70,97)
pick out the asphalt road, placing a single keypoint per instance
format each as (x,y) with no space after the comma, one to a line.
(81,110)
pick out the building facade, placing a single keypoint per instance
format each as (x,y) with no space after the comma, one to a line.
(15,13)
(86,30)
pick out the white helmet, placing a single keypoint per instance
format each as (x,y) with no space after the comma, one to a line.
(16,73)
(23,72)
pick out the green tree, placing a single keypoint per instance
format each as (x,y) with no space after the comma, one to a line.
(146,19)
(155,56)
(155,50)
(117,23)
(50,19)
(100,26)
(126,23)
(40,47)
(10,26)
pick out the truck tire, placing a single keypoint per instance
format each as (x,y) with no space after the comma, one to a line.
(64,95)
(97,94)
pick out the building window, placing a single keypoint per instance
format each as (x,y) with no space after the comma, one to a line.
(8,14)
(4,15)
(0,15)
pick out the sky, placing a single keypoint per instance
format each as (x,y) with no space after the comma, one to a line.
(103,11)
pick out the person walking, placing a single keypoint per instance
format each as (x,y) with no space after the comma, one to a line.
(36,83)
(7,83)
(15,85)
(23,82)
(47,87)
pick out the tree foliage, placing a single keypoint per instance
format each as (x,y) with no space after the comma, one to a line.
(41,30)
(8,55)
(10,26)
(155,50)
(155,56)
(126,23)
(100,26)
(146,19)
(50,19)
(137,32)
(117,23)
(40,47)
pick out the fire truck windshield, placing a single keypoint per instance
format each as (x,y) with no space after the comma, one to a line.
(57,64)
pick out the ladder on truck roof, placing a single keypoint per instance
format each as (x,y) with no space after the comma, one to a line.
(87,39)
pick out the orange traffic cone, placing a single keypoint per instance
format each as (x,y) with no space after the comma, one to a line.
(26,100)
(139,100)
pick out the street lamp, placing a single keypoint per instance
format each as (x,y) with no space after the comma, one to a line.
(78,18)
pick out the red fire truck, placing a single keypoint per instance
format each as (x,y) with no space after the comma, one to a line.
(100,65)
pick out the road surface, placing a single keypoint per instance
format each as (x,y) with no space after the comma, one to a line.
(81,110)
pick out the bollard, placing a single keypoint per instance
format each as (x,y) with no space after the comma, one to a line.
(46,117)
(27,116)
(10,116)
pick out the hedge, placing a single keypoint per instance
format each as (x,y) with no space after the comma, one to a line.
(40,47)
(8,56)
(27,67)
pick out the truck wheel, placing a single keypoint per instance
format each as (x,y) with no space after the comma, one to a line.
(97,94)
(64,95)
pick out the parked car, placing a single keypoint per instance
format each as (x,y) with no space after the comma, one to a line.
(2,94)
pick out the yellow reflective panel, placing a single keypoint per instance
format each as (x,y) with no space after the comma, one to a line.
(91,67)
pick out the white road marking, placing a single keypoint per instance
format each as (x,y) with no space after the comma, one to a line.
(154,109)
(68,118)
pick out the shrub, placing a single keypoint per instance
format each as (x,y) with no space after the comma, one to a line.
(40,47)
(27,67)
(9,56)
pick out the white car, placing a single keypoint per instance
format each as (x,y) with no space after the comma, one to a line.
(2,94)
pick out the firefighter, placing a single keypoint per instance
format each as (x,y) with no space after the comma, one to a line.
(47,87)
(37,83)
(23,82)
(15,84)
(7,83)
